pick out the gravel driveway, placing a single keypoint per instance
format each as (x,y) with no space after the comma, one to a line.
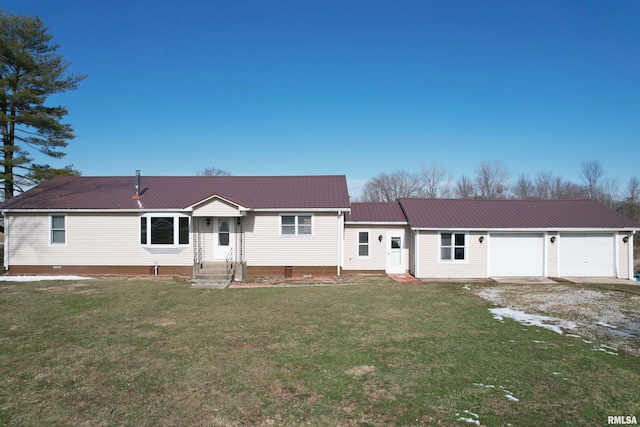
(611,316)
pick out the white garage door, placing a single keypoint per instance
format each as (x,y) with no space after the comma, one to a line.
(585,254)
(516,254)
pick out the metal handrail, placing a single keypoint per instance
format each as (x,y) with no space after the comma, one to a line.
(229,264)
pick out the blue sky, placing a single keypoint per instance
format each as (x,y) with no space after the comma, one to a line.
(348,87)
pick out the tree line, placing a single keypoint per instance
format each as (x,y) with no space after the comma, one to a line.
(493,180)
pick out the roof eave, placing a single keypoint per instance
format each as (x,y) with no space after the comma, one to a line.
(527,229)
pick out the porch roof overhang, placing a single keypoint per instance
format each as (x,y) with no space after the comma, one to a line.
(241,208)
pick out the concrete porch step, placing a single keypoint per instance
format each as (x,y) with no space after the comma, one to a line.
(212,274)
(207,284)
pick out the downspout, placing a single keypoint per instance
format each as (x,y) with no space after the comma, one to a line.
(340,241)
(416,254)
(6,240)
(629,252)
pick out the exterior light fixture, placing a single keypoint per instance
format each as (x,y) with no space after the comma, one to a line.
(481,239)
(625,239)
(553,239)
(208,221)
(380,238)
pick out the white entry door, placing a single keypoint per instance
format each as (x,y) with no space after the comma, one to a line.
(395,263)
(223,238)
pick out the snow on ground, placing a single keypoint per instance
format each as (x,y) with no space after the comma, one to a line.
(552,323)
(40,278)
(594,315)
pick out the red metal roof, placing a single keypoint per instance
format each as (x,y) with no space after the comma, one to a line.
(179,192)
(376,212)
(514,214)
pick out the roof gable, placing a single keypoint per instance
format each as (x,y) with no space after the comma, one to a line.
(512,214)
(181,192)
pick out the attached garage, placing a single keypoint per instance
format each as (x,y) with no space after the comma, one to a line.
(587,254)
(516,254)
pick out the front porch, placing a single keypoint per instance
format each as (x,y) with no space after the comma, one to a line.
(218,274)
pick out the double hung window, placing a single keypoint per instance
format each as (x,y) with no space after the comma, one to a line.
(58,230)
(452,246)
(363,243)
(296,225)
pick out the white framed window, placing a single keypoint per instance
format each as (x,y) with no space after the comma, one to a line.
(296,225)
(58,229)
(167,230)
(453,247)
(363,244)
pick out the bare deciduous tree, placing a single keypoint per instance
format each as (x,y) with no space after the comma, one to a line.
(391,187)
(465,189)
(630,206)
(524,188)
(593,173)
(543,184)
(492,180)
(437,182)
(213,171)
(566,190)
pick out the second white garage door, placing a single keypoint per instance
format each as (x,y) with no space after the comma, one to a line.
(584,254)
(516,254)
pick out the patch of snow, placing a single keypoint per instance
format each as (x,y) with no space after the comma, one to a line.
(466,288)
(606,349)
(552,323)
(606,325)
(511,397)
(473,420)
(484,385)
(469,420)
(474,415)
(40,278)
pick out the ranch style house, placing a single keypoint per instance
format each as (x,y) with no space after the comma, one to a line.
(252,226)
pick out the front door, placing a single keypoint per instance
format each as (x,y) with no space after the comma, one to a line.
(395,264)
(223,238)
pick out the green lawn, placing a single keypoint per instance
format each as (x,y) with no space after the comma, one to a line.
(153,352)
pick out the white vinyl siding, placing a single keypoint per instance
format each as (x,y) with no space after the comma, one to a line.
(430,265)
(91,239)
(624,257)
(552,254)
(266,246)
(216,207)
(377,259)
